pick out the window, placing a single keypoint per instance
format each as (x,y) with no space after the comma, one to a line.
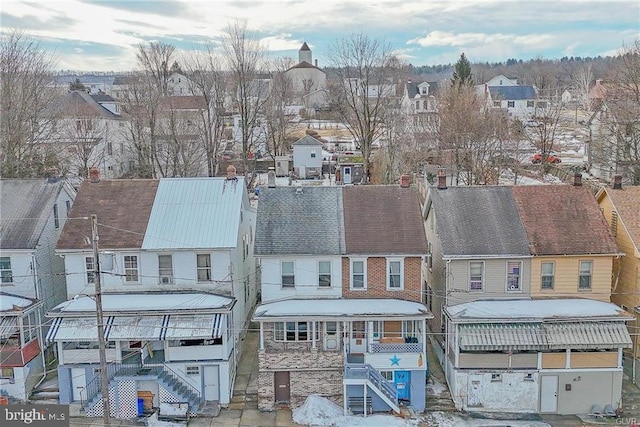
(614,223)
(288,273)
(204,267)
(6,276)
(313,154)
(423,90)
(192,370)
(417,105)
(357,274)
(584,282)
(68,205)
(496,377)
(496,103)
(547,275)
(513,275)
(387,375)
(90,269)
(56,218)
(130,268)
(292,331)
(476,271)
(511,104)
(324,273)
(165,269)
(109,149)
(528,377)
(529,104)
(7,374)
(394,274)
(425,105)
(542,104)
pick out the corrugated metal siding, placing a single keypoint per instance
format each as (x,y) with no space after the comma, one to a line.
(490,337)
(196,326)
(195,213)
(77,329)
(138,328)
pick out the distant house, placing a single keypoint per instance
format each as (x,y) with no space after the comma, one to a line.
(519,280)
(307,157)
(341,310)
(178,278)
(305,76)
(179,84)
(517,101)
(32,278)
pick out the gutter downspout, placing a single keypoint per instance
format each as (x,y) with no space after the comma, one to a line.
(36,287)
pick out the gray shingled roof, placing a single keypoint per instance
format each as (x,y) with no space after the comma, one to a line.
(512,93)
(478,221)
(307,140)
(27,204)
(300,220)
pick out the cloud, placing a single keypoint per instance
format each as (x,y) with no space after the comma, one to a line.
(280,42)
(443,38)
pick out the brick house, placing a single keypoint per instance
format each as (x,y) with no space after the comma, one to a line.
(341,311)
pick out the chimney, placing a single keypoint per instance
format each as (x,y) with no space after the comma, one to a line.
(405,181)
(617,182)
(577,179)
(271,178)
(231,172)
(442,179)
(94,174)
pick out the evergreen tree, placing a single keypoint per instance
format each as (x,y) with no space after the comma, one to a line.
(461,73)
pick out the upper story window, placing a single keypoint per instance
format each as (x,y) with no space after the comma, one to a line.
(476,276)
(56,218)
(165,269)
(313,154)
(496,103)
(514,272)
(417,105)
(586,271)
(131,268)
(90,269)
(358,274)
(511,104)
(203,262)
(324,273)
(547,275)
(288,273)
(395,274)
(6,276)
(529,104)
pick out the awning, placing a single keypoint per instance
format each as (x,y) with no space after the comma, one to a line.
(8,326)
(588,335)
(207,326)
(77,329)
(497,336)
(144,328)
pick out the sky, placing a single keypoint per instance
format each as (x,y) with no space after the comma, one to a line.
(102,35)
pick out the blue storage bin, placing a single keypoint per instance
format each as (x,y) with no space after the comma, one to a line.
(140,406)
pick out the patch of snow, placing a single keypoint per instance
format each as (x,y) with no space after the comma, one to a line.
(435,387)
(173,409)
(143,302)
(47,393)
(153,421)
(8,301)
(318,411)
(339,307)
(447,419)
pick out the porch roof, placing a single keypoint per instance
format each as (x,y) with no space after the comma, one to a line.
(543,336)
(194,327)
(337,308)
(8,326)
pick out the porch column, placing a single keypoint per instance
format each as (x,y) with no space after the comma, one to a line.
(456,353)
(424,337)
(365,401)
(620,358)
(261,337)
(313,336)
(344,398)
(539,365)
(567,364)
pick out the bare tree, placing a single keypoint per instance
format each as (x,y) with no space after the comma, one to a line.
(209,81)
(581,83)
(26,107)
(546,122)
(276,120)
(155,59)
(246,60)
(362,88)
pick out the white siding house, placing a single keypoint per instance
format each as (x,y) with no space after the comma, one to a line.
(307,157)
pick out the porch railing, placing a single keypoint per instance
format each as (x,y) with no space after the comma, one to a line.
(369,373)
(395,348)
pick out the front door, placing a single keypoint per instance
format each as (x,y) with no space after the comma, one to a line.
(549,393)
(282,387)
(474,391)
(331,336)
(402,381)
(347,175)
(211,383)
(78,382)
(358,342)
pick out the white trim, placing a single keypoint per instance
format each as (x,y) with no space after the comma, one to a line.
(482,278)
(124,268)
(388,274)
(364,274)
(520,275)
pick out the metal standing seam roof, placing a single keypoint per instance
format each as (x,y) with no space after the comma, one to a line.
(27,205)
(543,336)
(195,213)
(512,93)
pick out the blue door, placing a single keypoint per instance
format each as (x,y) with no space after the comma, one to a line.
(402,379)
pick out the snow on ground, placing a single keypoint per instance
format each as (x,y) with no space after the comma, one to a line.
(318,411)
(153,421)
(507,178)
(169,409)
(435,387)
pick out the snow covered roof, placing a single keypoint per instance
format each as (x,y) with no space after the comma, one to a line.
(536,310)
(9,302)
(145,302)
(321,308)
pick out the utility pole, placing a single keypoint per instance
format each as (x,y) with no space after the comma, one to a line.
(100,319)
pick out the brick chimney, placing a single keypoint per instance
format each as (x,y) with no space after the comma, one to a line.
(442,179)
(231,172)
(617,182)
(271,178)
(405,181)
(577,179)
(94,174)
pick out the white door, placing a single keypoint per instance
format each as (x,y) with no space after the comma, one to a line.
(78,382)
(211,383)
(358,343)
(347,175)
(549,393)
(474,391)
(331,336)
